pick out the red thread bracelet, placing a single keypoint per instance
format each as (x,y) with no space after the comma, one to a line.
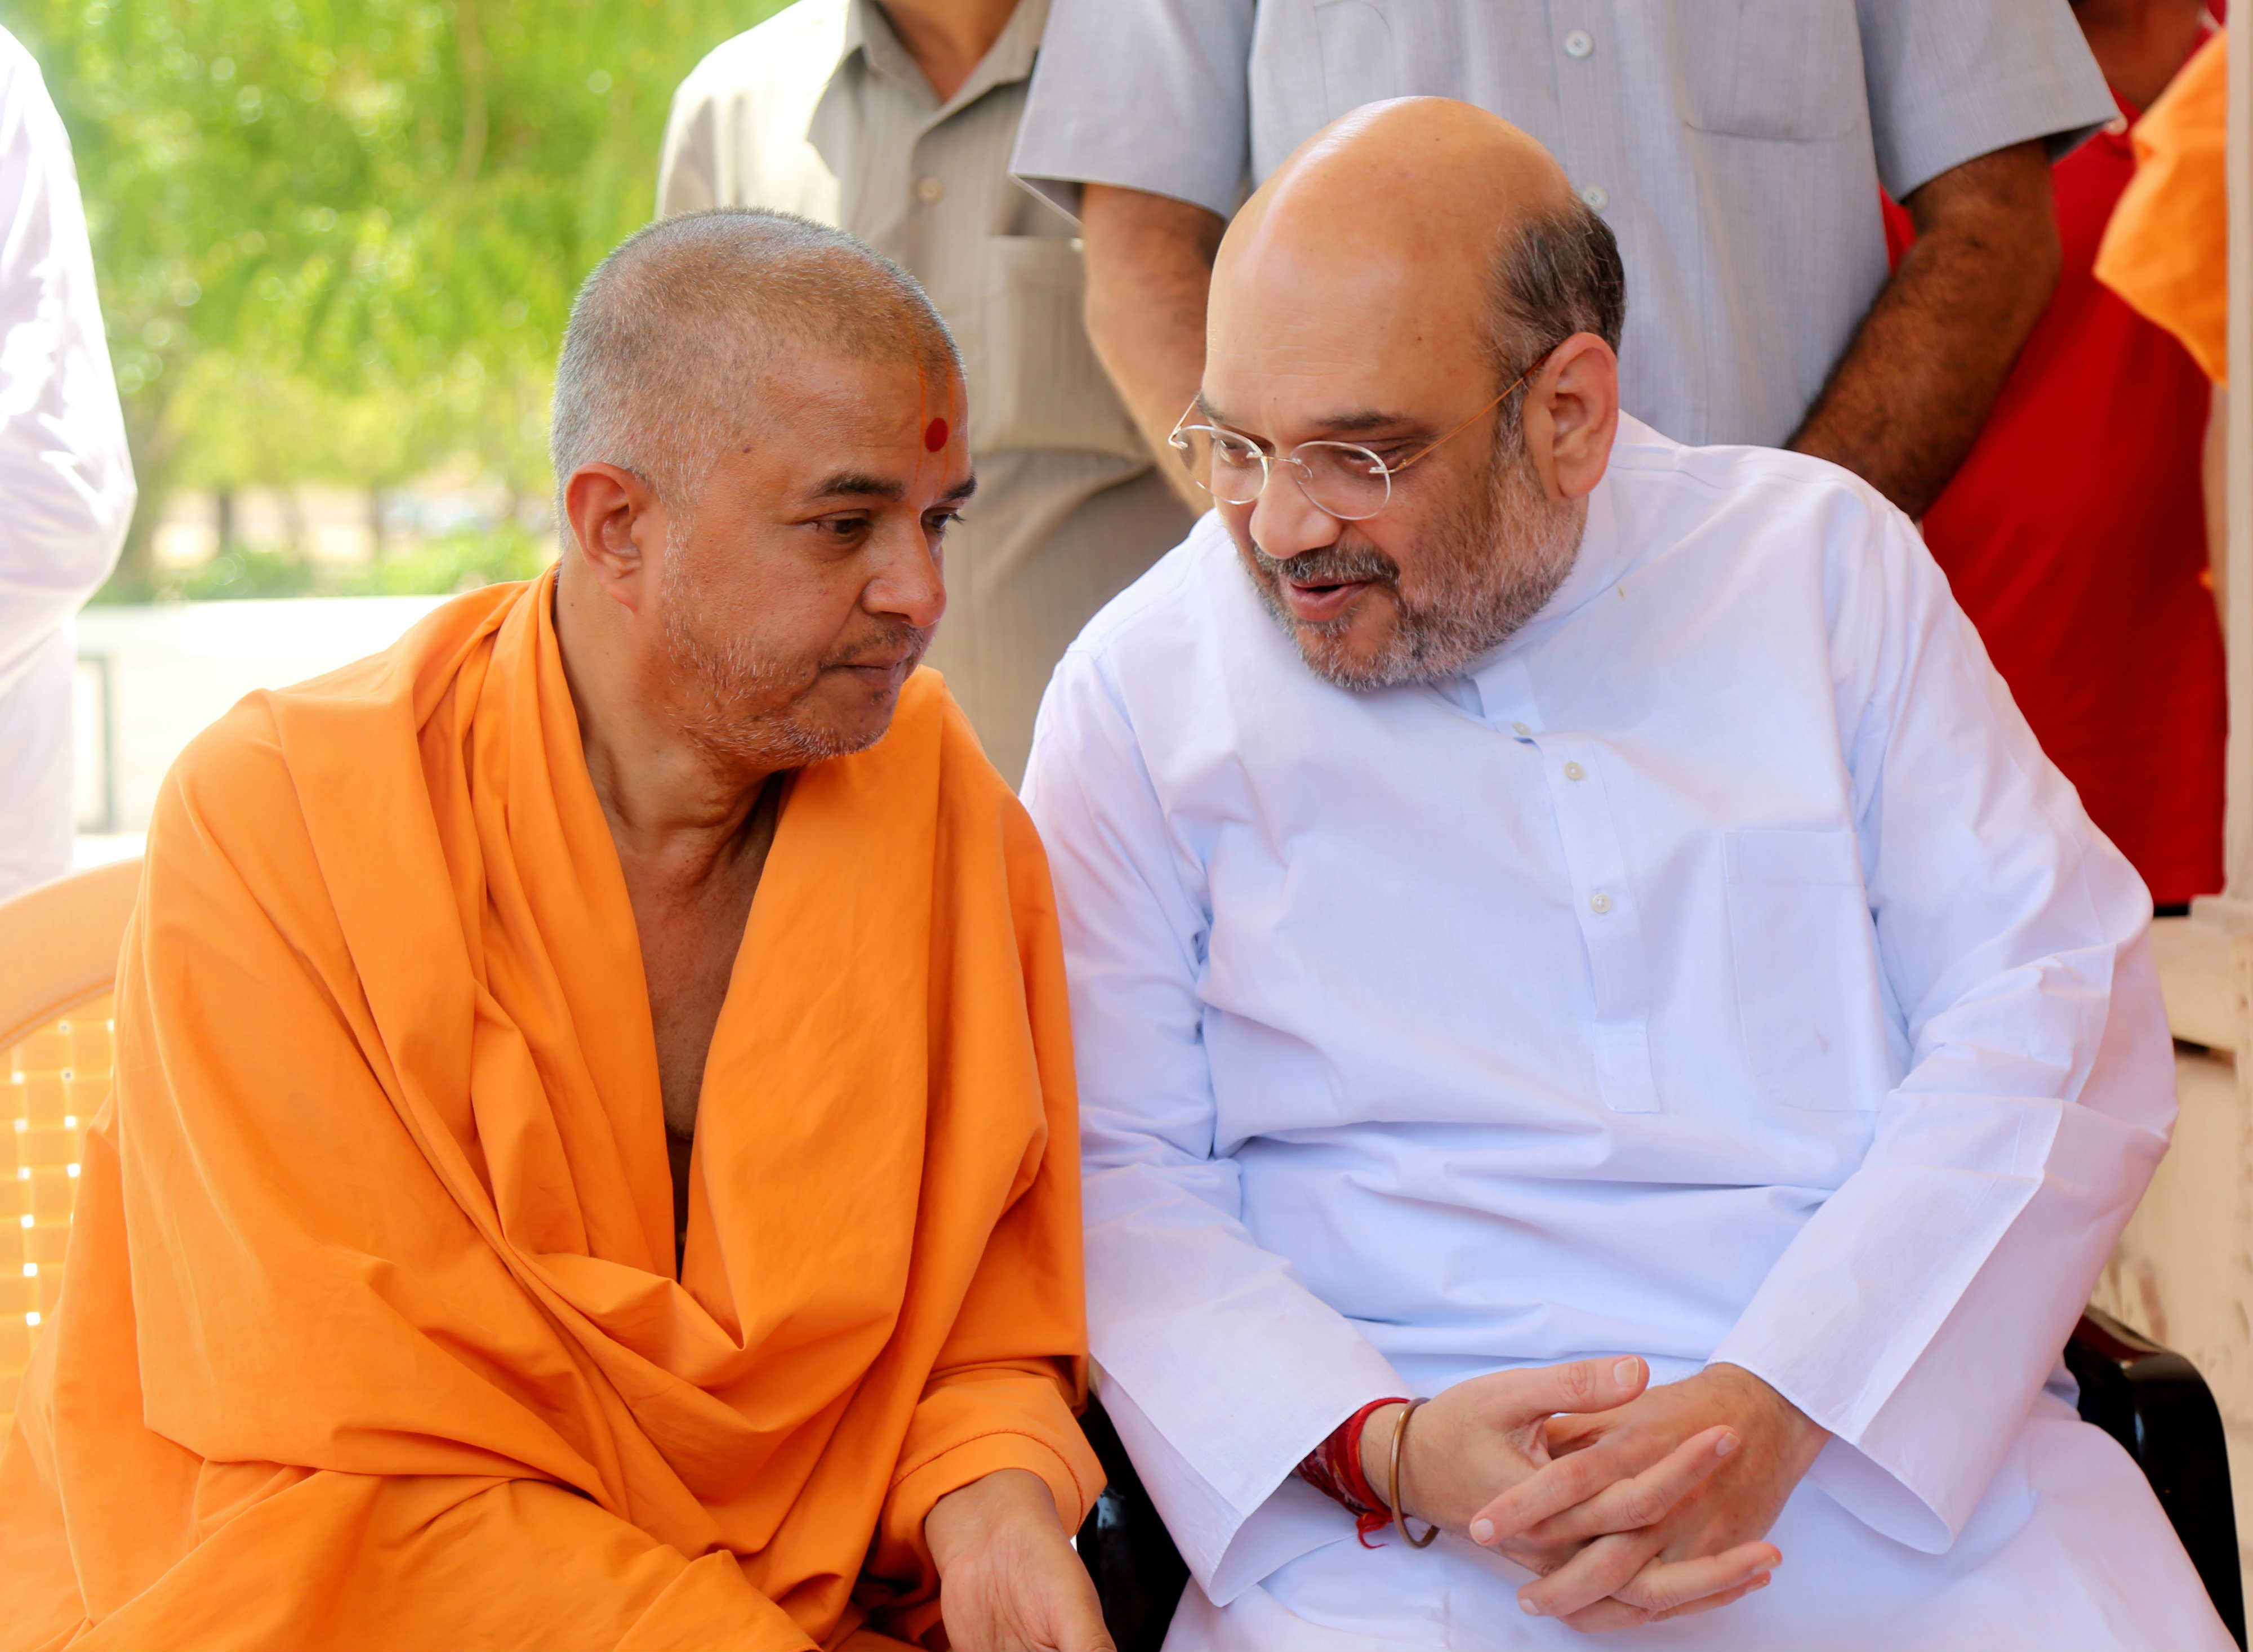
(1334,1469)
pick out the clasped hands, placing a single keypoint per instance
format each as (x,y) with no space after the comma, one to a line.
(1632,1504)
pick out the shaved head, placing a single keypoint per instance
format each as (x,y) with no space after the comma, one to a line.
(671,337)
(760,444)
(1418,279)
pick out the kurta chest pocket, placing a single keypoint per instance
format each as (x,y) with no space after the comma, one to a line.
(1775,69)
(1805,957)
(1042,387)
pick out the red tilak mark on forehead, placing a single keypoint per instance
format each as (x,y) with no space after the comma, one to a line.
(934,436)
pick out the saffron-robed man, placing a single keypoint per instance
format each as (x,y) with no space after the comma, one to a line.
(593,1162)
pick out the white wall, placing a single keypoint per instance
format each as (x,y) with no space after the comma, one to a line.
(155,676)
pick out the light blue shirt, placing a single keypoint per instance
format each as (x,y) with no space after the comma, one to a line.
(1734,146)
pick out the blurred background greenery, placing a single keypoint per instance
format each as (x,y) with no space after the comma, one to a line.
(337,244)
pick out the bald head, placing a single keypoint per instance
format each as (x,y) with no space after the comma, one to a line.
(1418,220)
(1418,310)
(671,336)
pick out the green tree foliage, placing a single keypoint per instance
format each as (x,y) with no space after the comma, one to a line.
(340,238)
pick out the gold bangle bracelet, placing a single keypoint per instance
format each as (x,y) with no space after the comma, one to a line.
(1399,1518)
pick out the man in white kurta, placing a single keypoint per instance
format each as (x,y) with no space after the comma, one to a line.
(1715,970)
(66,481)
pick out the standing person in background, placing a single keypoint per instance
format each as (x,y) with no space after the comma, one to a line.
(894,121)
(2074,534)
(1732,148)
(65,478)
(2166,250)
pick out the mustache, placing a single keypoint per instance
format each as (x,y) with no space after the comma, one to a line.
(883,646)
(1330,565)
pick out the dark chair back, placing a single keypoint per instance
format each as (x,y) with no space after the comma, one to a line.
(2156,1405)
(1139,1574)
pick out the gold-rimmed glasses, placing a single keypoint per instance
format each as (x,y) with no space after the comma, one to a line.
(1339,479)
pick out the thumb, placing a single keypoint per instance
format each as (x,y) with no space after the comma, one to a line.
(1524,1398)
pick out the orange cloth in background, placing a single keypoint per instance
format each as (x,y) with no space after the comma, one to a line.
(376,1233)
(2166,250)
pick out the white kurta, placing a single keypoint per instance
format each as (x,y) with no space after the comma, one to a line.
(65,480)
(1719,972)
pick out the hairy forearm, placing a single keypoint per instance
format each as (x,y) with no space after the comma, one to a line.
(1149,267)
(1908,398)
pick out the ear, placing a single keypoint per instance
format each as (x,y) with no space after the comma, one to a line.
(616,518)
(1572,412)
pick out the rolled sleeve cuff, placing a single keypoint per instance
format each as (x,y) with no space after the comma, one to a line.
(1233,1540)
(1053,159)
(901,1557)
(1913,152)
(917,1490)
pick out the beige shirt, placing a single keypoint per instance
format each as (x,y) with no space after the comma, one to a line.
(821,111)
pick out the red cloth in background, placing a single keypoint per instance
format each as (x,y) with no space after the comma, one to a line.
(2074,537)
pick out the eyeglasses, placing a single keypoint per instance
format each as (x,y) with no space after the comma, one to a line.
(1339,479)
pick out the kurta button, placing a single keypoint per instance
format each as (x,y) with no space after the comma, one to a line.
(1573,771)
(930,188)
(1578,44)
(1600,902)
(1594,194)
(1519,728)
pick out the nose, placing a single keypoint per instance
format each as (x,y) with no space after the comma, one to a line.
(1284,522)
(908,584)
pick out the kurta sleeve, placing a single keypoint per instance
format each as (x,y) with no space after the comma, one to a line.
(1012,1370)
(1178,1289)
(1919,1312)
(1147,94)
(1952,80)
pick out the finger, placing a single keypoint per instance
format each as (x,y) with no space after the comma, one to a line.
(1606,1615)
(1603,1568)
(1524,1398)
(1672,1585)
(1760,1581)
(1568,1431)
(1570,1480)
(1642,1500)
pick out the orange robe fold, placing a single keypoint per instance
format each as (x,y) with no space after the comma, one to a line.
(369,1335)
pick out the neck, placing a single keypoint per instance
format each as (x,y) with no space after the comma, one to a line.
(947,38)
(675,809)
(2140,44)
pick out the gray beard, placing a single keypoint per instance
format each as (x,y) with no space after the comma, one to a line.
(749,713)
(1493,564)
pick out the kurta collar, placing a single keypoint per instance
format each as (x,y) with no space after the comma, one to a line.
(1008,61)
